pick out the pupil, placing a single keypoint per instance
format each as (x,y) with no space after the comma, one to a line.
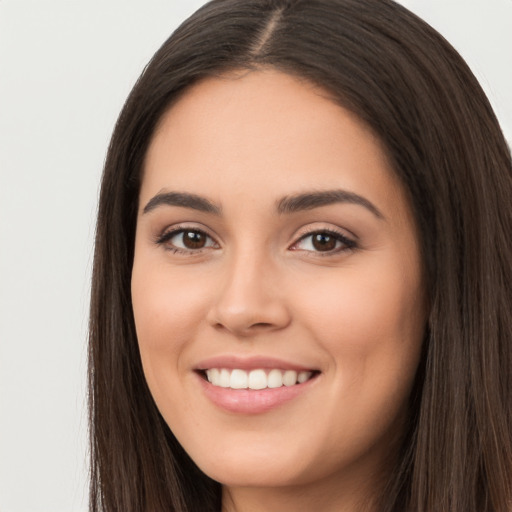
(193,240)
(323,242)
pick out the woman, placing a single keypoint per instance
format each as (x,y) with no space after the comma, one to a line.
(300,295)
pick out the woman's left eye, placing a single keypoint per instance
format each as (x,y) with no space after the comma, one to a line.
(324,242)
(186,240)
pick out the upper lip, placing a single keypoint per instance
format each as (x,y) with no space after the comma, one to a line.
(250,363)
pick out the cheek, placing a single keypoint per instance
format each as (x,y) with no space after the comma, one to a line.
(371,322)
(167,310)
(371,325)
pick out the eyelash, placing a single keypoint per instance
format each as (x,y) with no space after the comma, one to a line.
(347,243)
(165,237)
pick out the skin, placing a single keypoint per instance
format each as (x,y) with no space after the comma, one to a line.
(259,287)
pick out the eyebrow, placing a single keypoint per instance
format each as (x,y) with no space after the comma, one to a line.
(286,205)
(184,199)
(311,200)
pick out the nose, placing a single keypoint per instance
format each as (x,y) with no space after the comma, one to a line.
(250,298)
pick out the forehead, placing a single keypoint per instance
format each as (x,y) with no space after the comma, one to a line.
(260,134)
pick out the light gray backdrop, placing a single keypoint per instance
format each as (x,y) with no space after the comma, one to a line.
(66,67)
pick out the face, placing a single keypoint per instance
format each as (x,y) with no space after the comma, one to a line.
(277,284)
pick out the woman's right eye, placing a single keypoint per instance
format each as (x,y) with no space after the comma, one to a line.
(186,240)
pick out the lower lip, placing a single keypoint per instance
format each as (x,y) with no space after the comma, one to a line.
(252,401)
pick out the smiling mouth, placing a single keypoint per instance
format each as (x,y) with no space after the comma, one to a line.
(256,379)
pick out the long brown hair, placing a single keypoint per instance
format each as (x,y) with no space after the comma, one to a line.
(416,93)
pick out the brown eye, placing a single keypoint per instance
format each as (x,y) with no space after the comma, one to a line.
(324,242)
(186,240)
(194,239)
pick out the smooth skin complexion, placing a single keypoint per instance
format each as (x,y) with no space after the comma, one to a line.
(273,235)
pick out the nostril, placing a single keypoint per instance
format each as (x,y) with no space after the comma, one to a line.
(248,329)
(261,325)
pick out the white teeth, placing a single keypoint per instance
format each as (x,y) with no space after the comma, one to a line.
(275,379)
(238,380)
(212,375)
(224,378)
(255,379)
(290,378)
(303,377)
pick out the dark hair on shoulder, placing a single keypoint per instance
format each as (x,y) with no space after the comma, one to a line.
(418,96)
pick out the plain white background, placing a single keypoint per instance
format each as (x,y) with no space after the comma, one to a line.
(66,67)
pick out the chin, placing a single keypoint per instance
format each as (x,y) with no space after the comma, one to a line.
(242,470)
(246,475)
